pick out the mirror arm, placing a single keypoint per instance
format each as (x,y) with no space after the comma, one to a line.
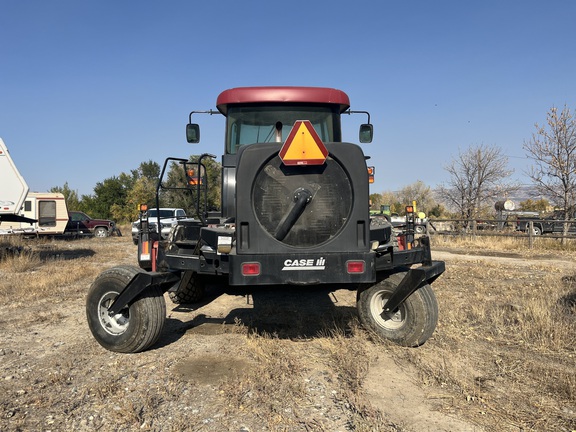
(358,112)
(211,112)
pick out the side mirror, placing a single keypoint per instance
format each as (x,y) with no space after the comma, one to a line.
(193,133)
(366,133)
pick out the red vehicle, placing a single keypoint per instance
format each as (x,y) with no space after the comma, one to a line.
(80,222)
(294,211)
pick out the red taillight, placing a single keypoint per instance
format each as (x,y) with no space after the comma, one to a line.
(250,269)
(355,266)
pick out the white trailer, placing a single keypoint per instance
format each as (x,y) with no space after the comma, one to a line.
(13,188)
(24,212)
(49,212)
(13,192)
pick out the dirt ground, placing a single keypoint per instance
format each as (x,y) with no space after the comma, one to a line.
(221,365)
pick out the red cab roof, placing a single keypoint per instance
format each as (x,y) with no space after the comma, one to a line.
(247,95)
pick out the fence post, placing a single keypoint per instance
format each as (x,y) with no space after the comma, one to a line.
(530,234)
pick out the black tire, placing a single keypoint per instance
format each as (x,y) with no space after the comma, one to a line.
(536,231)
(419,229)
(414,321)
(138,326)
(100,232)
(191,289)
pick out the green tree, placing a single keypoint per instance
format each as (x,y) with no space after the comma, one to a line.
(140,188)
(540,205)
(177,194)
(87,204)
(108,193)
(70,196)
(143,191)
(149,170)
(437,211)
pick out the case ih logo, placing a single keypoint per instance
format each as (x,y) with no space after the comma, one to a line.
(305,264)
(303,146)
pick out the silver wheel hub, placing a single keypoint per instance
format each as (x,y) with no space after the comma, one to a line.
(390,321)
(115,324)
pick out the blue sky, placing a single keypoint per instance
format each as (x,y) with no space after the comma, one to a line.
(89,89)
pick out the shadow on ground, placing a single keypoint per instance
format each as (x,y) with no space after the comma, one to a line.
(296,313)
(64,254)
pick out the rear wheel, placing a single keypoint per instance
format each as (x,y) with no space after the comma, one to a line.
(136,327)
(190,290)
(411,324)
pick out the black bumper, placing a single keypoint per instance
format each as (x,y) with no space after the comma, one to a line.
(302,269)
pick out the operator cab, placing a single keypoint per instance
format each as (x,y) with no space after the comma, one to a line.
(267,115)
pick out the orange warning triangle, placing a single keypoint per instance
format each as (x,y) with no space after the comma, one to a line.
(303,146)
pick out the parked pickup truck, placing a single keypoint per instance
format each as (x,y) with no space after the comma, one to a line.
(80,222)
(168,218)
(547,225)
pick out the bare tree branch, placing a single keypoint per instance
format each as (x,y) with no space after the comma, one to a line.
(477,176)
(553,151)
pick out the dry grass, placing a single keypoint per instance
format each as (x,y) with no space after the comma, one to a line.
(41,268)
(512,244)
(53,273)
(503,355)
(506,341)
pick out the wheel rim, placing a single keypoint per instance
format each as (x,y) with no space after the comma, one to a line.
(100,233)
(377,303)
(116,324)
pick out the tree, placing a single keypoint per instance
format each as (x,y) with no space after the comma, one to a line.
(187,199)
(391,198)
(140,188)
(552,149)
(437,211)
(117,197)
(143,191)
(150,170)
(477,176)
(420,193)
(540,205)
(375,201)
(398,200)
(110,192)
(70,196)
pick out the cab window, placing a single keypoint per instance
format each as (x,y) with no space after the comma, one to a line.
(260,124)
